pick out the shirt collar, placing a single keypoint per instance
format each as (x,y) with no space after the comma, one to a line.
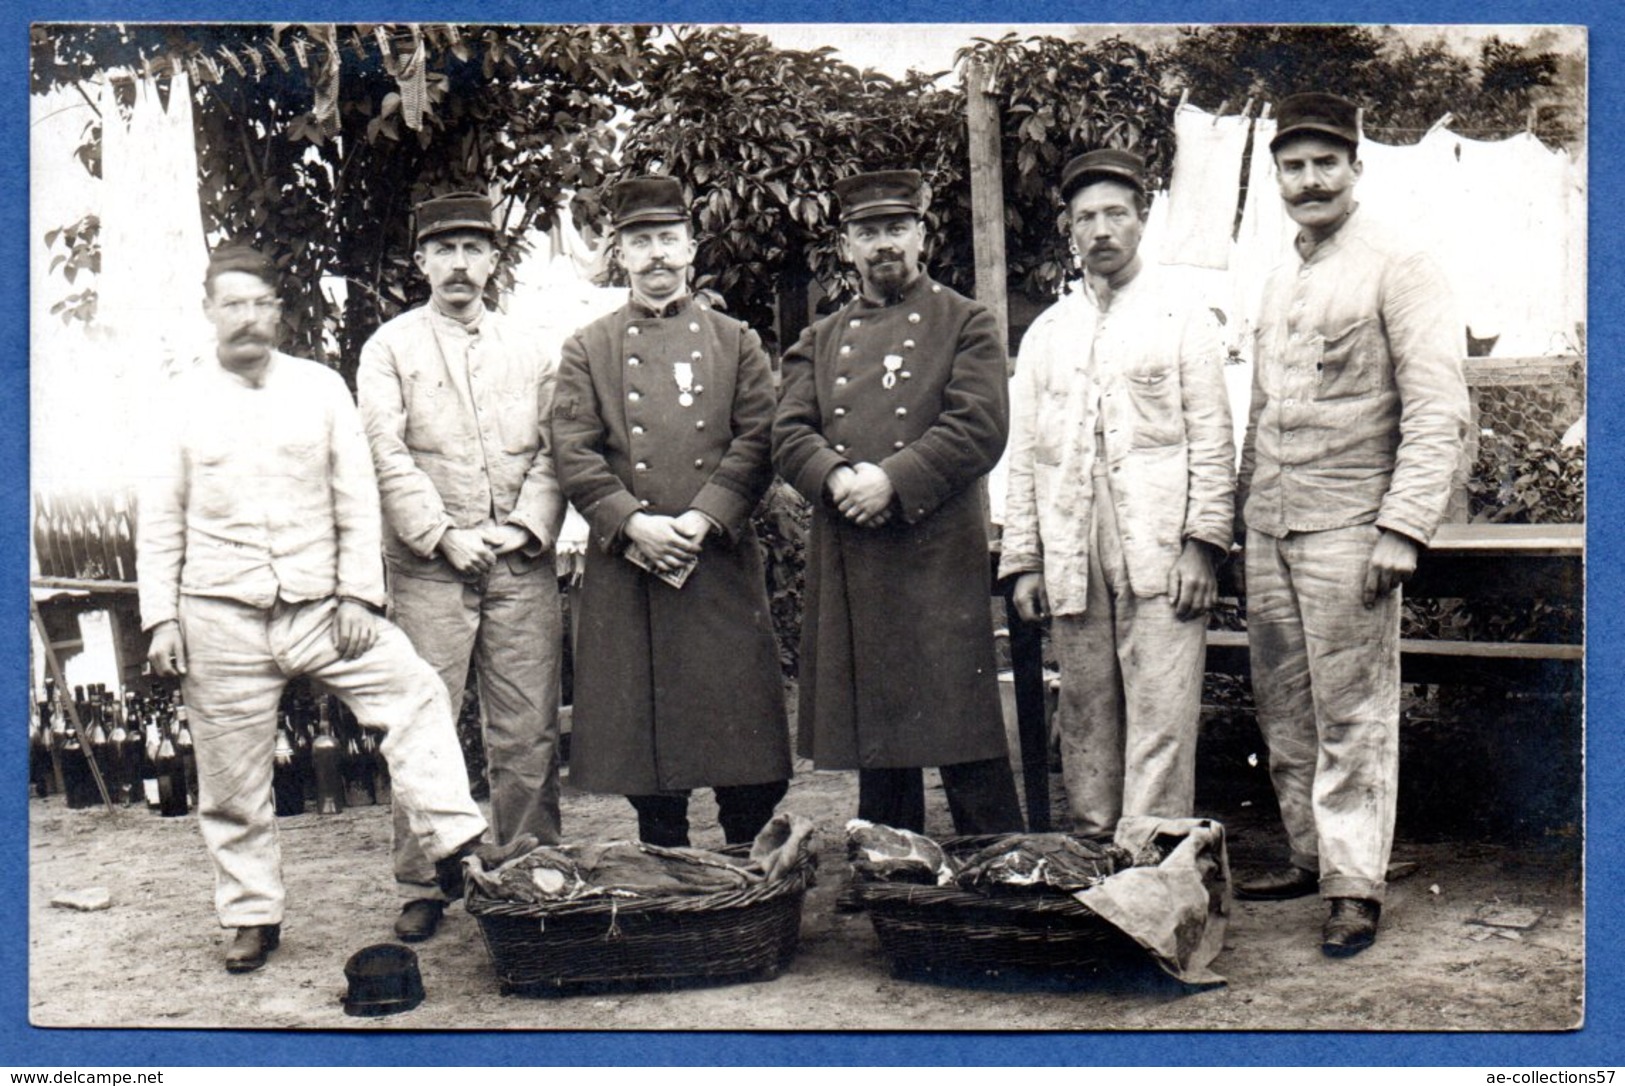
(672,308)
(446,320)
(232,377)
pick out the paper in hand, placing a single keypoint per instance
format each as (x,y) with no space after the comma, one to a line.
(676,577)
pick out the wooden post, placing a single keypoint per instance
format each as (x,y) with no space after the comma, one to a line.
(54,669)
(987,195)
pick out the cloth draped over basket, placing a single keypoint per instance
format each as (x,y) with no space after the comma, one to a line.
(1178,910)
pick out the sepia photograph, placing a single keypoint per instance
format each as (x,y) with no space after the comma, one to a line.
(807,528)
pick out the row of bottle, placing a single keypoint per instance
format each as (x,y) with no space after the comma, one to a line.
(142,749)
(85,536)
(323,759)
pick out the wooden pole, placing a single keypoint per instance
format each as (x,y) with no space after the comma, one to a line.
(55,670)
(987,196)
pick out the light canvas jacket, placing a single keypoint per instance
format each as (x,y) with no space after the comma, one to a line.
(257,494)
(1148,372)
(457,445)
(1359,406)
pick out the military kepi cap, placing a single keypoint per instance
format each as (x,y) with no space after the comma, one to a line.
(1105,164)
(1316,114)
(649,199)
(885,192)
(454,211)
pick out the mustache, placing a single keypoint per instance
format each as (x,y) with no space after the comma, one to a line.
(1311,196)
(248,335)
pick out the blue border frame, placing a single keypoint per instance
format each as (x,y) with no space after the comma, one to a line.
(1595,1045)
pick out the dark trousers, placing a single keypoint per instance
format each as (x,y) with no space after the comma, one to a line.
(981,797)
(742,809)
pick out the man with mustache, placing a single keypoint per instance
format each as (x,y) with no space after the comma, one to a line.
(1121,481)
(259,548)
(661,425)
(1358,413)
(456,402)
(892,409)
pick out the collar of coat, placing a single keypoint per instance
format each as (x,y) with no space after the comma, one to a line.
(922,283)
(672,308)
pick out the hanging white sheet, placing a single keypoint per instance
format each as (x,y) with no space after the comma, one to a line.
(1204,189)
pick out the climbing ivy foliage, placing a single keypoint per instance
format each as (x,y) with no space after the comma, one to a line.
(324,175)
(325,183)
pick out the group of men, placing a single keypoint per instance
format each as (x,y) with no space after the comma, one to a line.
(1123,490)
(261,534)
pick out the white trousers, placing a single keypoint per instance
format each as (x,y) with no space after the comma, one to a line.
(239,658)
(1131,692)
(1326,681)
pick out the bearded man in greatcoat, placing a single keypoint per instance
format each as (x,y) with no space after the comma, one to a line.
(892,409)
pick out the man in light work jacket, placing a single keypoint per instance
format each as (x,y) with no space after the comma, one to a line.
(661,423)
(1121,482)
(892,408)
(259,548)
(1358,412)
(456,405)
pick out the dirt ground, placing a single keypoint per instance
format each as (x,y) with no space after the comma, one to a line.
(154,958)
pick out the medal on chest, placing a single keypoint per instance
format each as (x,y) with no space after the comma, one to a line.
(893,363)
(683,374)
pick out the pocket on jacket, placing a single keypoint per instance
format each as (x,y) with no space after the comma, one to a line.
(1049,425)
(1350,362)
(302,452)
(521,430)
(1158,417)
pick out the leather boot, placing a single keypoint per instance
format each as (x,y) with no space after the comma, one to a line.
(419,920)
(1284,885)
(251,946)
(448,871)
(1351,927)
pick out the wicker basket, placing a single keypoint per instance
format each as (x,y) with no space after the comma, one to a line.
(954,934)
(545,949)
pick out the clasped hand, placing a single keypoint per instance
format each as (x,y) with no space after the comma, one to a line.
(863,493)
(668,543)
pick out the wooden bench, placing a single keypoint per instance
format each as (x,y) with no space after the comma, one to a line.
(1499,562)
(1513,563)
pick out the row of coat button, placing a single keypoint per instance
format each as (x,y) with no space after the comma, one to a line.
(638,431)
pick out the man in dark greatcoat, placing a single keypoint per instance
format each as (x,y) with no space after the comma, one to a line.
(892,408)
(661,428)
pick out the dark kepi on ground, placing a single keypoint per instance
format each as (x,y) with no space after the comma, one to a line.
(383,979)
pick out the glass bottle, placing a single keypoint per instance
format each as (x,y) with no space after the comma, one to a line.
(123,533)
(171,776)
(44,537)
(326,757)
(151,740)
(184,747)
(287,789)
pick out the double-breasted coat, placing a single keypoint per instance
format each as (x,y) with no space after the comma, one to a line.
(674,688)
(897,664)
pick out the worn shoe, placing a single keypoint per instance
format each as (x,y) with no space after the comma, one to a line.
(419,920)
(251,946)
(1279,885)
(1351,927)
(448,871)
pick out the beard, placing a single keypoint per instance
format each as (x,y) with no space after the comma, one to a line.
(888,278)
